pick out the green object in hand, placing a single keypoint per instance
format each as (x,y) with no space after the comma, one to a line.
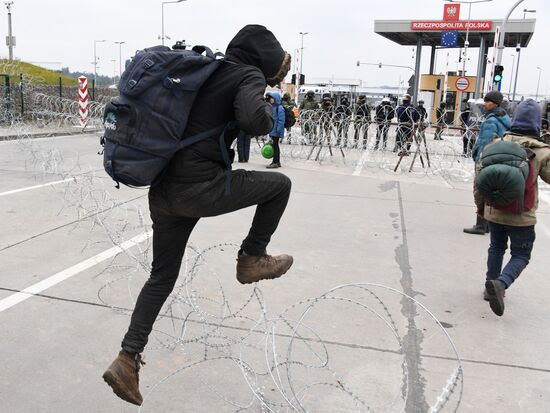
(267,151)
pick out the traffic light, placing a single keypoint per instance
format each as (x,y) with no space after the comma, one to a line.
(497,78)
(302,79)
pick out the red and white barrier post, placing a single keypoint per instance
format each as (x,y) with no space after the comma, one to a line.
(83,100)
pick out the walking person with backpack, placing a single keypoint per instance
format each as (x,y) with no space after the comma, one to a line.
(278,132)
(506,194)
(495,124)
(197,181)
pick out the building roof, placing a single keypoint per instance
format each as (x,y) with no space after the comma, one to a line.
(402,32)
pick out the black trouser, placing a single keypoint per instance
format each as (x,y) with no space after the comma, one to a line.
(243,147)
(176,209)
(358,124)
(439,130)
(468,140)
(403,138)
(276,149)
(382,132)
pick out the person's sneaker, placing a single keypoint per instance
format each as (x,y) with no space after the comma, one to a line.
(253,268)
(273,165)
(495,290)
(123,377)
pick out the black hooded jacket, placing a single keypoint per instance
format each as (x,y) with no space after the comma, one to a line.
(234,92)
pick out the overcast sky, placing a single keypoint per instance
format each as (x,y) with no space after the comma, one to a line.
(62,33)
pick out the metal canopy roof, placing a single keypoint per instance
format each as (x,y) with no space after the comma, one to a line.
(400,32)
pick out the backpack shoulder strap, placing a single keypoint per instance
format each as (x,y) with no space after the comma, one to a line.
(204,49)
(190,140)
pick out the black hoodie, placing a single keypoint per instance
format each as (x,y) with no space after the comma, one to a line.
(256,46)
(234,92)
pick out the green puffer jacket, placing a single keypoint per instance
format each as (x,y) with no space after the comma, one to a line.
(541,163)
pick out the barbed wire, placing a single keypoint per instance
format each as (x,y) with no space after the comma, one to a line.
(288,361)
(425,149)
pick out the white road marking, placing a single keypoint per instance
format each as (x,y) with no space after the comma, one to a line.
(37,288)
(15,191)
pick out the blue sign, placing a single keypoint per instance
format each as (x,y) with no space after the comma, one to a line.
(449,38)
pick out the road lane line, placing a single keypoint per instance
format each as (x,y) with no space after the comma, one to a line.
(15,191)
(37,288)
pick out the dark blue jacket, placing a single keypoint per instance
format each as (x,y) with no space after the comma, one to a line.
(407,113)
(496,122)
(278,111)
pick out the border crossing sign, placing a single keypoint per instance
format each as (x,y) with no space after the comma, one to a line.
(462,83)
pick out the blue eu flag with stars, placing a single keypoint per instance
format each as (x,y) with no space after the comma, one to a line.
(449,38)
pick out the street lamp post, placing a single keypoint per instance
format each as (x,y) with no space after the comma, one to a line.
(302,51)
(525,11)
(10,37)
(95,58)
(503,35)
(119,58)
(299,70)
(114,71)
(162,36)
(518,49)
(511,75)
(538,83)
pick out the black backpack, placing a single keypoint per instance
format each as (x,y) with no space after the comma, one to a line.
(144,126)
(290,118)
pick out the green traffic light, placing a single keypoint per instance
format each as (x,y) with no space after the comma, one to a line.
(498,78)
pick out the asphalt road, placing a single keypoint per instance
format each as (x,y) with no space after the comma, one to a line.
(294,344)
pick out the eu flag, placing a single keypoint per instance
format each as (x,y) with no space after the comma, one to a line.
(449,38)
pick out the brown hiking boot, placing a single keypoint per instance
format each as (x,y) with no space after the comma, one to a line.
(253,268)
(123,377)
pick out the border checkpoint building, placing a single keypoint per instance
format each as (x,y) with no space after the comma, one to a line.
(482,34)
